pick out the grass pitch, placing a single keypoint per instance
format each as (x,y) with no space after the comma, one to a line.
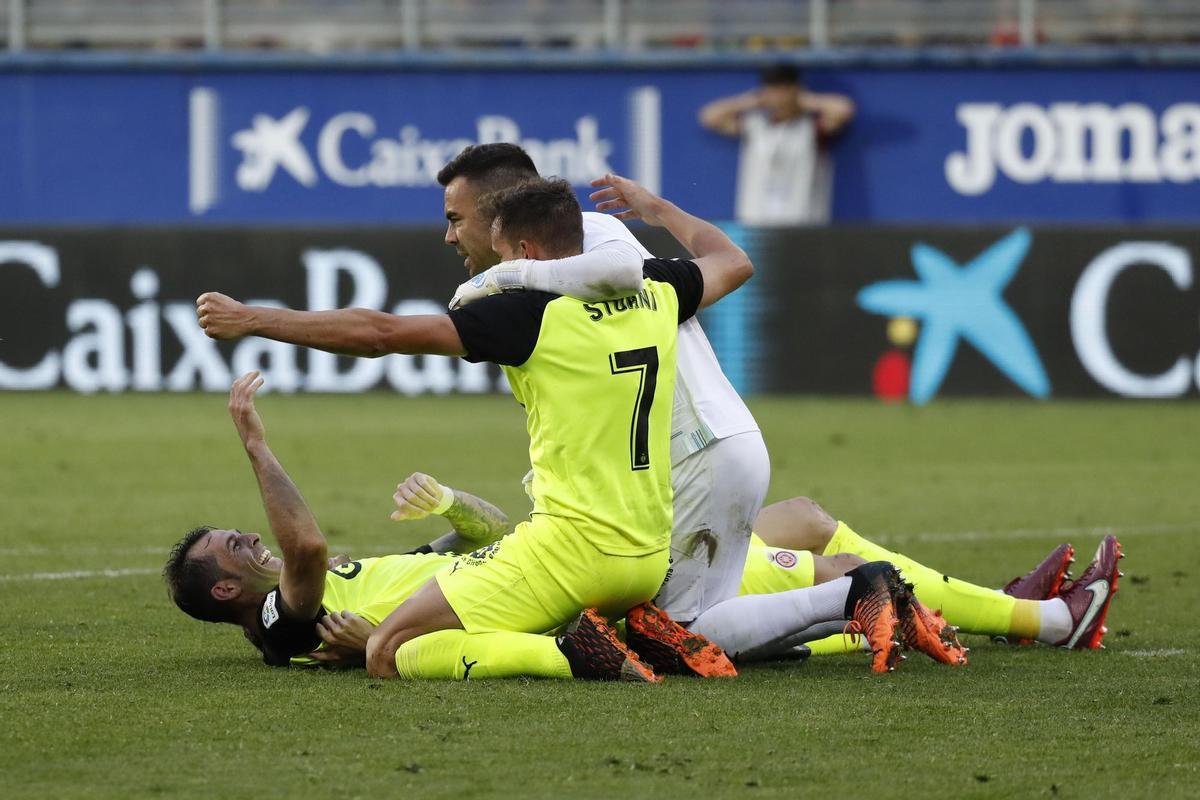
(107,690)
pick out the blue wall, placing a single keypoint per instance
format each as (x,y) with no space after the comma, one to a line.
(118,145)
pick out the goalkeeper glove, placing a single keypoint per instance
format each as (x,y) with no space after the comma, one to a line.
(507,276)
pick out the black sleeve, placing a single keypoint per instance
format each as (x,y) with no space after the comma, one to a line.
(684,275)
(503,328)
(281,636)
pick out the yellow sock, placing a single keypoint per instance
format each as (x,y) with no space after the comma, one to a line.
(838,643)
(458,655)
(974,609)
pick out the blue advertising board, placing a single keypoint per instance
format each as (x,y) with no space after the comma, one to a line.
(322,145)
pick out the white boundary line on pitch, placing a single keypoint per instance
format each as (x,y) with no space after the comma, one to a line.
(42,550)
(928,536)
(80,573)
(1037,533)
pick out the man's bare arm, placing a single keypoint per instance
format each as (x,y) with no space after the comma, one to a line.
(724,115)
(725,266)
(833,111)
(476,523)
(475,520)
(305,553)
(349,331)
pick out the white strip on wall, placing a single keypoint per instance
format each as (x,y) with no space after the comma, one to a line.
(645,137)
(202,149)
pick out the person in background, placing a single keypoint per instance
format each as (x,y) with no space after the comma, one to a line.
(785,174)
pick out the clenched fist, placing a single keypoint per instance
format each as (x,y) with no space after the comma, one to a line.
(222,317)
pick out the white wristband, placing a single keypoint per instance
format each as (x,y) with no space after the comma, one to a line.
(445,502)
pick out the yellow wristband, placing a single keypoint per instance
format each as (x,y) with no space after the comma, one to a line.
(446,501)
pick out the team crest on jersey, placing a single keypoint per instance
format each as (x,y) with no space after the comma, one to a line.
(270,614)
(784,558)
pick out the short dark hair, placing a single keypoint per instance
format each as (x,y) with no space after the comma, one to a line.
(545,211)
(781,75)
(490,167)
(190,580)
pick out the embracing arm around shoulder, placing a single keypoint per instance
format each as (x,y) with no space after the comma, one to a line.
(612,270)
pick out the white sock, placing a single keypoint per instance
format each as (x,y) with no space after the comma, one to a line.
(754,622)
(1054,622)
(782,647)
(824,630)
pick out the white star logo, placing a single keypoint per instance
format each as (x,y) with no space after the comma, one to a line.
(272,143)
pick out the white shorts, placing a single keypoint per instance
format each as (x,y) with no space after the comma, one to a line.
(719,491)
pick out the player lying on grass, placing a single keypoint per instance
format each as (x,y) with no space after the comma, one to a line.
(287,606)
(781,565)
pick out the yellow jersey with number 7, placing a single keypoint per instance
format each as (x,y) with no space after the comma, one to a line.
(597,382)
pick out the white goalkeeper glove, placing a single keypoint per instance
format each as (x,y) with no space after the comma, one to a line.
(507,276)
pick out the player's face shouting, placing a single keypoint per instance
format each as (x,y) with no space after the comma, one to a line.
(465,232)
(244,555)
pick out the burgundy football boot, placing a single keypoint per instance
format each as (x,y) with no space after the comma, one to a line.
(1089,597)
(1043,582)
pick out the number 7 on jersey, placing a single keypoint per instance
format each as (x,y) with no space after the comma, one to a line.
(644,362)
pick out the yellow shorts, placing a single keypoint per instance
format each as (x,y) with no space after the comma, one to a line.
(774,569)
(541,576)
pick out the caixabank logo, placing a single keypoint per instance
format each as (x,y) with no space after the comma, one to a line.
(323,154)
(956,303)
(1111,323)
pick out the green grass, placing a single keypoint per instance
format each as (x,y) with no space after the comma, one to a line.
(106,690)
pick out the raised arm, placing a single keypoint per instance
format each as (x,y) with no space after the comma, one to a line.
(833,111)
(724,265)
(724,115)
(304,551)
(475,521)
(349,331)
